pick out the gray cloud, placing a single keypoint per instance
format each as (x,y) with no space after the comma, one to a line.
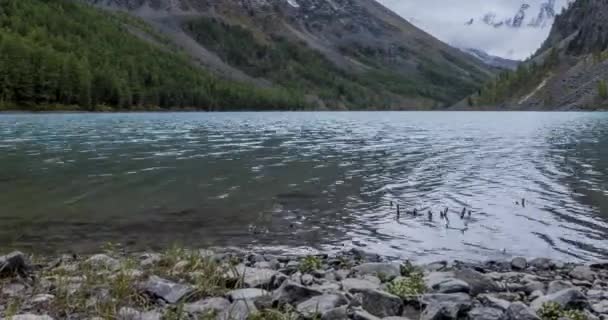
(445,19)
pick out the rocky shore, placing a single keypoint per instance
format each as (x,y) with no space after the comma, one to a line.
(235,284)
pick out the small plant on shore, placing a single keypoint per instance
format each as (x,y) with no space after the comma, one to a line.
(554,311)
(310,263)
(408,287)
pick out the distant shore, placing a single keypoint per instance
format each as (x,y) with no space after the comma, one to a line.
(229,283)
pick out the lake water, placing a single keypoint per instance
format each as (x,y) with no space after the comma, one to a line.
(321,181)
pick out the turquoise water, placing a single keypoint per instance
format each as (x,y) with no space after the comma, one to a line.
(308,180)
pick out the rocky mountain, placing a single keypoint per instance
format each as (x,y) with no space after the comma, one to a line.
(523,17)
(492,61)
(341,53)
(569,72)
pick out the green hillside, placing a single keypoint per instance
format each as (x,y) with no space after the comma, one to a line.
(58,54)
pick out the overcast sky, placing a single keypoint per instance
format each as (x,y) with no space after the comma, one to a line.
(445,19)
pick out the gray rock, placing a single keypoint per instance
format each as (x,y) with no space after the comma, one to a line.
(436,266)
(247,294)
(386,270)
(41,299)
(597,294)
(494,302)
(558,285)
(583,273)
(307,279)
(534,286)
(536,294)
(149,259)
(103,261)
(30,316)
(519,311)
(600,307)
(340,313)
(263,265)
(396,318)
(363,315)
(293,293)
(351,284)
(320,305)
(132,314)
(342,274)
(206,306)
(326,287)
(239,310)
(478,282)
(542,263)
(13,289)
(167,290)
(444,282)
(445,306)
(485,313)
(519,263)
(599,265)
(254,277)
(567,298)
(14,262)
(380,303)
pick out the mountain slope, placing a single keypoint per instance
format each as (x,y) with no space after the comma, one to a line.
(492,61)
(569,72)
(59,53)
(341,53)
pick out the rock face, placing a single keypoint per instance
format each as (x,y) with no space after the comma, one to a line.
(239,310)
(169,291)
(485,313)
(247,294)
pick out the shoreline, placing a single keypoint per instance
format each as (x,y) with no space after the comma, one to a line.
(230,283)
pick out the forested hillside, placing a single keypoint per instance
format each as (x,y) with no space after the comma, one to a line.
(58,54)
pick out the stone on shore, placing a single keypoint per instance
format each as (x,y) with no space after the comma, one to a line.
(519,263)
(445,306)
(292,293)
(103,261)
(14,263)
(247,294)
(567,299)
(380,303)
(206,306)
(383,270)
(167,290)
(478,282)
(558,285)
(29,316)
(353,284)
(582,273)
(485,313)
(239,310)
(444,282)
(321,304)
(519,311)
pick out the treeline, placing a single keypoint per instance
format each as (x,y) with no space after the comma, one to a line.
(511,84)
(68,54)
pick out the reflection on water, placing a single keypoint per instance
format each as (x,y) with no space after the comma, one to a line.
(320,180)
